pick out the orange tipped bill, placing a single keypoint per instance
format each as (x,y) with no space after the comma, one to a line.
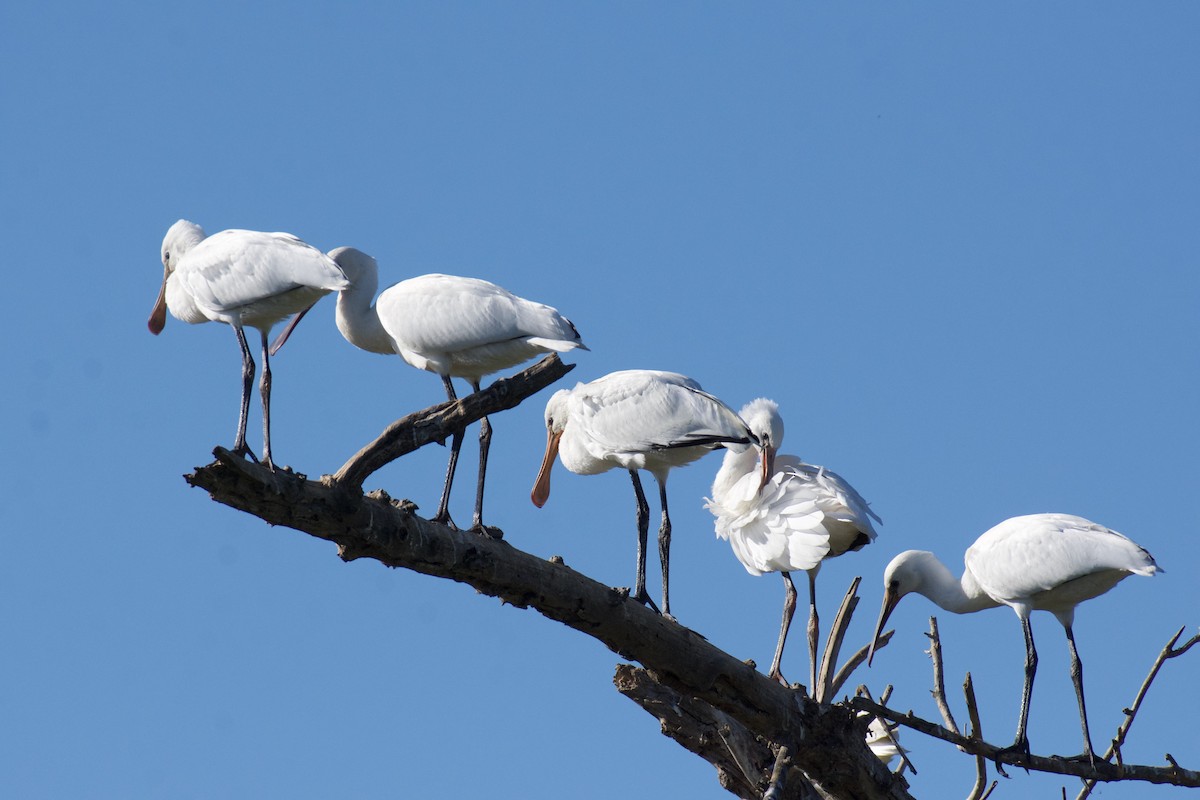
(541,487)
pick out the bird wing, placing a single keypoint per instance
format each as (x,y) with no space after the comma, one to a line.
(638,411)
(1023,556)
(838,498)
(233,268)
(448,313)
(794,521)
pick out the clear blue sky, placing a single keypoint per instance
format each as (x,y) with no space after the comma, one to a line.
(957,243)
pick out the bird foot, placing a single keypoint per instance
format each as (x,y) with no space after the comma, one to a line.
(444,519)
(1019,747)
(245,452)
(644,599)
(487,531)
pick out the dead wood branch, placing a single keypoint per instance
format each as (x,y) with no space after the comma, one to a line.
(436,423)
(1102,771)
(825,741)
(1169,651)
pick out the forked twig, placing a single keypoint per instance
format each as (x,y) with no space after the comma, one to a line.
(824,690)
(774,788)
(1114,748)
(939,675)
(889,729)
(981,790)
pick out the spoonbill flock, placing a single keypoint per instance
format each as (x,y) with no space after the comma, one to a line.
(778,513)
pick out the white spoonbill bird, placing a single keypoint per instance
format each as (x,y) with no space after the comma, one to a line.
(780,515)
(455,327)
(241,278)
(637,419)
(1048,562)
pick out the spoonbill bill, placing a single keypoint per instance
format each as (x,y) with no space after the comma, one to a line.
(455,327)
(241,278)
(1048,562)
(637,419)
(781,515)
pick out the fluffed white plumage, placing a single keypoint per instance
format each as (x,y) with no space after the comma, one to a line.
(780,514)
(453,326)
(241,278)
(1048,562)
(637,419)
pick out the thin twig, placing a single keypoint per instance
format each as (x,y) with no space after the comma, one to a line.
(981,790)
(833,645)
(774,788)
(889,729)
(855,661)
(1169,651)
(1101,770)
(939,675)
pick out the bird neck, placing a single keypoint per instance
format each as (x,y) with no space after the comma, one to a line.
(358,318)
(735,466)
(957,595)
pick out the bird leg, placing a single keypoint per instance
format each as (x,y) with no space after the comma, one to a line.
(442,516)
(239,441)
(664,548)
(1077,679)
(643,528)
(1021,743)
(814,626)
(789,608)
(485,443)
(264,389)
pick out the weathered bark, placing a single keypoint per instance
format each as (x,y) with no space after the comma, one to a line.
(434,424)
(826,742)
(744,760)
(710,702)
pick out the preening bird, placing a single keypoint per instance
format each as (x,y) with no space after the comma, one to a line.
(455,327)
(241,278)
(1049,562)
(781,515)
(637,419)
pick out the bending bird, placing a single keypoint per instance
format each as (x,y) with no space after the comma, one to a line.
(637,419)
(1047,562)
(241,278)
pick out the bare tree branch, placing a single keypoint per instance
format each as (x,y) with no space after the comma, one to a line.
(826,742)
(1169,651)
(824,689)
(981,789)
(1101,771)
(744,761)
(434,424)
(939,675)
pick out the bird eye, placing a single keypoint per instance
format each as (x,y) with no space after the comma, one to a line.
(167,257)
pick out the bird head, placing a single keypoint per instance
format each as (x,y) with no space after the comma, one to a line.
(181,237)
(762,419)
(903,575)
(556,422)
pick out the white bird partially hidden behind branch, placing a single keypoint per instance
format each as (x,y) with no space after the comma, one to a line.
(455,327)
(242,278)
(782,515)
(637,419)
(1048,562)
